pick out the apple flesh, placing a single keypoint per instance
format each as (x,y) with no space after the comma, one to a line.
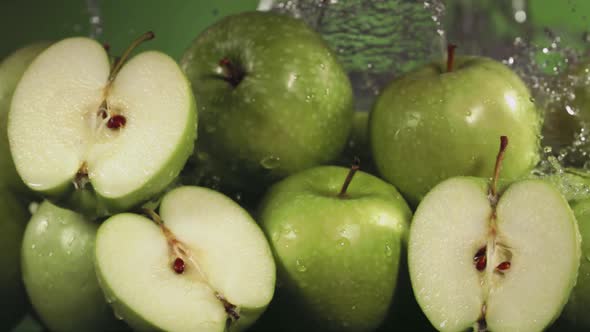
(225,276)
(431,124)
(59,275)
(97,140)
(338,256)
(273,100)
(505,265)
(13,220)
(11,71)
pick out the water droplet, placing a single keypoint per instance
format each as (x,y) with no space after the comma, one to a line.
(353,307)
(342,243)
(300,266)
(547,149)
(587,256)
(270,162)
(117,315)
(33,247)
(388,250)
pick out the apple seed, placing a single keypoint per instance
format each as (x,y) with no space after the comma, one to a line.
(356,165)
(116,122)
(178,265)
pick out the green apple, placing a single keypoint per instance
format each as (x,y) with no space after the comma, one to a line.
(11,71)
(13,220)
(273,100)
(432,124)
(59,275)
(493,260)
(202,264)
(338,251)
(97,138)
(575,311)
(357,145)
(573,183)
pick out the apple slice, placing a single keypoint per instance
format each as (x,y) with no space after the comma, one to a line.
(489,261)
(203,264)
(117,135)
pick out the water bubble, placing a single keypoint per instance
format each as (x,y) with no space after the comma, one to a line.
(388,250)
(342,243)
(300,266)
(270,162)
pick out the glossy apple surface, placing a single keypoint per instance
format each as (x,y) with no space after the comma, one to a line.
(337,257)
(431,124)
(59,275)
(273,100)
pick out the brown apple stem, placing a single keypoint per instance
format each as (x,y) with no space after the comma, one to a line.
(450,57)
(231,73)
(356,165)
(121,60)
(497,168)
(81,179)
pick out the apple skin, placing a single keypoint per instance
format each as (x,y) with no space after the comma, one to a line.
(576,310)
(59,275)
(337,258)
(11,70)
(13,220)
(430,125)
(292,110)
(358,144)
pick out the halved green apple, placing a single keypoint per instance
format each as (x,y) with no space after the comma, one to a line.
(483,259)
(202,265)
(101,139)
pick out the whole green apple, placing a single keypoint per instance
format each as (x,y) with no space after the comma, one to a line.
(337,249)
(13,220)
(573,183)
(273,100)
(11,70)
(438,122)
(59,275)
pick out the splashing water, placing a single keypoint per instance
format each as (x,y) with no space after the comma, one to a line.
(544,65)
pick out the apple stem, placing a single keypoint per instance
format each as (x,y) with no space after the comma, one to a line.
(356,165)
(230,308)
(497,168)
(121,60)
(231,73)
(81,179)
(450,57)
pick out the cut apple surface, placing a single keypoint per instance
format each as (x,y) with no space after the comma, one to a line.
(206,265)
(505,265)
(74,122)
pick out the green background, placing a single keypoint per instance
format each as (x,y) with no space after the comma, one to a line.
(175,22)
